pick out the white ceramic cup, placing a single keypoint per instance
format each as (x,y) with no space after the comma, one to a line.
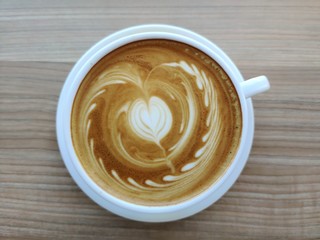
(245,89)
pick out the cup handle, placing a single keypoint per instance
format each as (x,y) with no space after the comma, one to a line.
(255,86)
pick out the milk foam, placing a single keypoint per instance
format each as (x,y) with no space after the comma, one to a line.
(154,125)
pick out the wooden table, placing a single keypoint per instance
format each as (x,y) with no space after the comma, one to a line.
(278,193)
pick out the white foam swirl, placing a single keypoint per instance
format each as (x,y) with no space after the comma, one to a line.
(151,119)
(152,129)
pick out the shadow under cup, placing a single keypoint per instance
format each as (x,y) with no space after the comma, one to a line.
(156,122)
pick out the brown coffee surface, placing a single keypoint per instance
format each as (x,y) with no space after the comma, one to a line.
(156,122)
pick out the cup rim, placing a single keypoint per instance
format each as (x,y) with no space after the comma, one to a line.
(93,190)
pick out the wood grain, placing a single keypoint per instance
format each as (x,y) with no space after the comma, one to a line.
(278,194)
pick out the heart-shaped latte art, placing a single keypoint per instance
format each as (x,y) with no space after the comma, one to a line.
(150,121)
(144,119)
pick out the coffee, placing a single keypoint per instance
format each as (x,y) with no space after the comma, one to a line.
(156,122)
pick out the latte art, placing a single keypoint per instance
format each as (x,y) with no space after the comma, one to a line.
(156,122)
(152,120)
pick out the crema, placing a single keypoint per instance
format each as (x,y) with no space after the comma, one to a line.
(156,122)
